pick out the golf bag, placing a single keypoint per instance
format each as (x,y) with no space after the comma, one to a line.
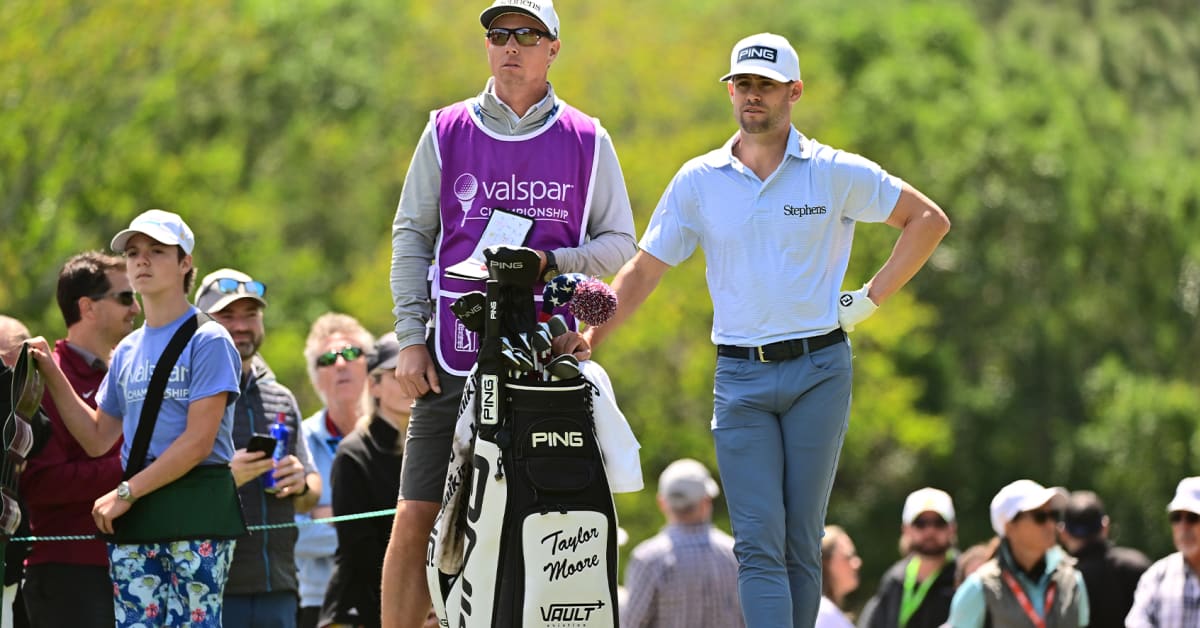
(527,532)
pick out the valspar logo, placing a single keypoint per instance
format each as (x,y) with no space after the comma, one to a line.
(536,198)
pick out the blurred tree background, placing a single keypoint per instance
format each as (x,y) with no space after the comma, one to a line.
(1053,335)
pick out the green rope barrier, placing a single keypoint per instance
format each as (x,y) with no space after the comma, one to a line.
(265,526)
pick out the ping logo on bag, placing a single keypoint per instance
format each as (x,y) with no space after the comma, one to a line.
(569,612)
(556,439)
(489,411)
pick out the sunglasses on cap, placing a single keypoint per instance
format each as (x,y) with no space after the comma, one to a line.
(125,297)
(1182,515)
(348,354)
(525,36)
(1039,516)
(226,285)
(935,521)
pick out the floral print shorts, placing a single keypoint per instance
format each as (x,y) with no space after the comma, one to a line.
(180,583)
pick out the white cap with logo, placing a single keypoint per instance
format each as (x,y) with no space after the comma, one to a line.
(764,54)
(163,226)
(1021,496)
(540,10)
(928,500)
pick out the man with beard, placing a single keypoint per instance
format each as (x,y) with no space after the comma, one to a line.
(262,588)
(67,582)
(775,213)
(1168,594)
(916,592)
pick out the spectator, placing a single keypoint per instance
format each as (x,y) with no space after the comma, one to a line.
(12,334)
(336,354)
(973,558)
(159,582)
(1031,581)
(262,586)
(67,582)
(1168,594)
(12,605)
(366,478)
(459,171)
(1111,572)
(916,591)
(839,577)
(686,575)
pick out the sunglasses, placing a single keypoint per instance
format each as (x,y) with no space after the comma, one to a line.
(1039,516)
(124,297)
(348,354)
(1182,515)
(921,523)
(525,36)
(233,286)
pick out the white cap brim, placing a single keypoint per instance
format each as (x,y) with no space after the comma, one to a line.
(161,235)
(774,75)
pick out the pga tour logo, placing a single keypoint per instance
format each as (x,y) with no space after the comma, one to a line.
(764,53)
(523,196)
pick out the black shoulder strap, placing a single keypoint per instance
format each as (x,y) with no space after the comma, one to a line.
(156,390)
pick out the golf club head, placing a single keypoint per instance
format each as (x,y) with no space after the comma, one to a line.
(522,342)
(469,308)
(512,265)
(540,339)
(525,360)
(510,359)
(558,325)
(564,366)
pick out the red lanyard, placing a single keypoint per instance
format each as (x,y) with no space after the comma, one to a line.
(1023,600)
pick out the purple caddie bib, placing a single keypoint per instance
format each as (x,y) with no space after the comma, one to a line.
(546,175)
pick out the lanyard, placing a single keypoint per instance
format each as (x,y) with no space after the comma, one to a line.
(913,596)
(1023,600)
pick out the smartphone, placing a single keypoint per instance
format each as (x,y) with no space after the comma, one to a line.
(263,443)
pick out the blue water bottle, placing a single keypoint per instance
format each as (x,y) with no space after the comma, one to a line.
(281,433)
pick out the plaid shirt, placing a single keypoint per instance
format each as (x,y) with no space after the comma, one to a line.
(1168,596)
(683,577)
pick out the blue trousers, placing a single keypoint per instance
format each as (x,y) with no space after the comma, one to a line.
(778,429)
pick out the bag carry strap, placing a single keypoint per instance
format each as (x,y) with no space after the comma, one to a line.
(156,390)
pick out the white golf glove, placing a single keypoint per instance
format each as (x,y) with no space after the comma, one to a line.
(854,308)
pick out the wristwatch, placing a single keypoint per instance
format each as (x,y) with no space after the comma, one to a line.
(125,493)
(551,268)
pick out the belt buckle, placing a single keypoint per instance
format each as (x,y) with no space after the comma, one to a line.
(761,356)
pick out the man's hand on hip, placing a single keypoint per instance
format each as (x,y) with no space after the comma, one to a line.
(854,308)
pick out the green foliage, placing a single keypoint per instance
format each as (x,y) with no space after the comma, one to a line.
(1052,336)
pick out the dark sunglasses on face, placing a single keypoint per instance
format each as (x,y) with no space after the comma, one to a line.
(348,354)
(921,523)
(233,286)
(525,36)
(1182,515)
(1039,516)
(125,297)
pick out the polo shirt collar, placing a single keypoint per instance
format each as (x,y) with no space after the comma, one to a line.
(798,146)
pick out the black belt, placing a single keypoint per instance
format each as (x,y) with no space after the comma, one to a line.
(784,349)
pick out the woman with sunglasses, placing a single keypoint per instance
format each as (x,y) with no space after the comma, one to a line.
(1031,582)
(336,355)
